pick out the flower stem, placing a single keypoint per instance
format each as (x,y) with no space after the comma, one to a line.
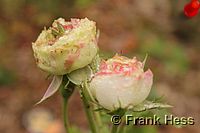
(114,128)
(98,120)
(121,127)
(95,113)
(118,128)
(65,116)
(66,92)
(88,108)
(89,114)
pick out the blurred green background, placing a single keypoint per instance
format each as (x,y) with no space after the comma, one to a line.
(130,27)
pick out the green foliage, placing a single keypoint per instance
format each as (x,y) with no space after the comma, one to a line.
(12,7)
(148,105)
(106,54)
(50,6)
(83,3)
(119,112)
(3,35)
(75,129)
(171,54)
(6,76)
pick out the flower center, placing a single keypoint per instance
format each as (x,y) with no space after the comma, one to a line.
(119,66)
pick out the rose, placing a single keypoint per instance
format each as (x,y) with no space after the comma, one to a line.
(121,82)
(66,46)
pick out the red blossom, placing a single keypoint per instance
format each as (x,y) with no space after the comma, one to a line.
(191,9)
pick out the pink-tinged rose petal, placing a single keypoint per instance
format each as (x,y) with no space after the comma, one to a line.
(53,87)
(148,79)
(148,75)
(68,27)
(66,46)
(121,82)
(73,57)
(145,81)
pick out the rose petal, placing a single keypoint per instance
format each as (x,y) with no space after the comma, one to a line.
(143,86)
(53,87)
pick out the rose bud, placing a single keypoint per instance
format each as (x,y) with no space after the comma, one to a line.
(121,83)
(66,46)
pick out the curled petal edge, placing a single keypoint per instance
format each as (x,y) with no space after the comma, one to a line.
(53,87)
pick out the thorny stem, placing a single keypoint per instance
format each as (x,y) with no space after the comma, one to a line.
(66,92)
(96,114)
(88,110)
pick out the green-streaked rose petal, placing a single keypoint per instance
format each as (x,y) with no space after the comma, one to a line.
(73,49)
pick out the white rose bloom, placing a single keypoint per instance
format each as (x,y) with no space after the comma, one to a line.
(66,46)
(121,82)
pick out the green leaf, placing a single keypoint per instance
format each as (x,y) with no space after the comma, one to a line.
(79,76)
(118,111)
(147,105)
